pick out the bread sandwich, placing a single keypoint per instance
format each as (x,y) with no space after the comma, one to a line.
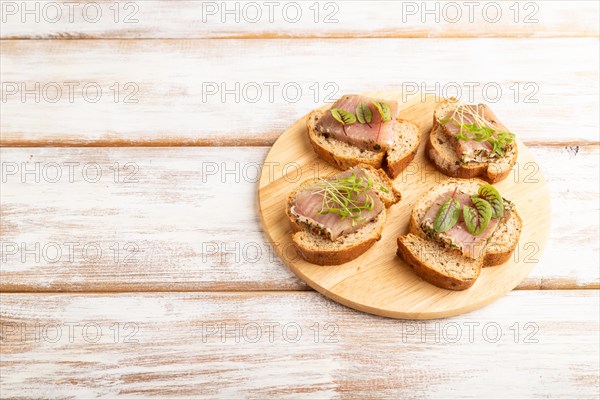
(335,220)
(457,228)
(363,130)
(468,141)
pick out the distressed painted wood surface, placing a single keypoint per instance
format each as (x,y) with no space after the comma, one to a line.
(185,219)
(325,19)
(530,344)
(174,92)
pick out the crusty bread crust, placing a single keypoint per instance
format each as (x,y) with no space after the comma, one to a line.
(412,254)
(501,244)
(342,155)
(407,137)
(441,152)
(322,251)
(393,196)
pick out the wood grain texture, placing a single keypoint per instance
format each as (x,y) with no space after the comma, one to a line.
(175,80)
(193,216)
(379,282)
(538,344)
(383,19)
(172,211)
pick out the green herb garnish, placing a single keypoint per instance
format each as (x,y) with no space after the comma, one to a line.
(364,114)
(477,217)
(448,214)
(343,117)
(346,197)
(385,114)
(384,110)
(480,130)
(485,205)
(491,195)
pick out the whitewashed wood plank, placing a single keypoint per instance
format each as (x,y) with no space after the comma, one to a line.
(180,86)
(529,344)
(188,220)
(215,19)
(171,217)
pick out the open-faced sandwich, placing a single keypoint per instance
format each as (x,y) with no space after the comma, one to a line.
(337,219)
(457,228)
(468,141)
(363,130)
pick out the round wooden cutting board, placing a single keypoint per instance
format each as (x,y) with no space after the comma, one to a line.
(379,282)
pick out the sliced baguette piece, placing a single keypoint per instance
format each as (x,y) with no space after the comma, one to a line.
(319,250)
(322,251)
(382,185)
(438,266)
(343,155)
(407,136)
(503,241)
(442,154)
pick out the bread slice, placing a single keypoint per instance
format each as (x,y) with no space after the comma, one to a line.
(441,152)
(407,136)
(439,265)
(503,241)
(323,251)
(319,250)
(343,155)
(436,265)
(382,185)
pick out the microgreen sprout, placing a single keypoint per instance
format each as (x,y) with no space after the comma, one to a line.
(346,197)
(474,126)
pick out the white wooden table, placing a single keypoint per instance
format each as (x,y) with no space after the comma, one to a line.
(133,263)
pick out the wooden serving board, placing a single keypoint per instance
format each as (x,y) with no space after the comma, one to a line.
(379,282)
